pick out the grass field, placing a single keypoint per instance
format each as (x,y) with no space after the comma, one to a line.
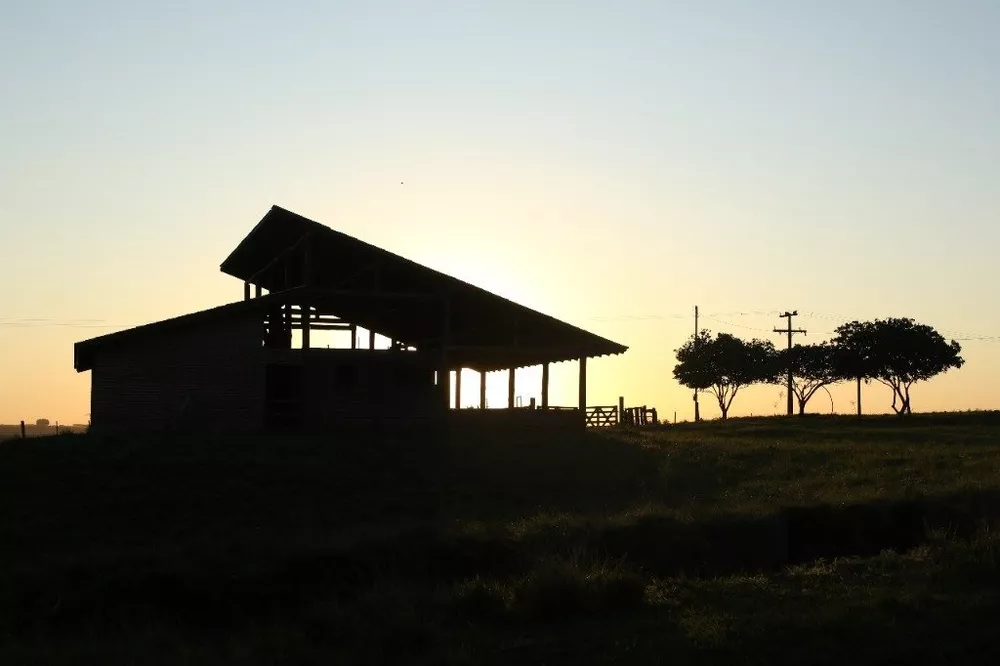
(771,541)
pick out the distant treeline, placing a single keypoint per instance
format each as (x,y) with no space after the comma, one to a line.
(896,352)
(32,430)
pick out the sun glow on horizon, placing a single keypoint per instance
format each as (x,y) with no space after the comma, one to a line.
(535,150)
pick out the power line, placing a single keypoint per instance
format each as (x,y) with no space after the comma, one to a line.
(61,324)
(675,315)
(103,323)
(958,336)
(734,325)
(715,317)
(49,320)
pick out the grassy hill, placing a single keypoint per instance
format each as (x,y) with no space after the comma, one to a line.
(802,540)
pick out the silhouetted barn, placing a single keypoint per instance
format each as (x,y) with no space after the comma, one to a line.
(256,363)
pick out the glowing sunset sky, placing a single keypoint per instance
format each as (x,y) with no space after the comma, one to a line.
(609,163)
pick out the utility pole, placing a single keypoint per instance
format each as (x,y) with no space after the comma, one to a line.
(697,414)
(790,331)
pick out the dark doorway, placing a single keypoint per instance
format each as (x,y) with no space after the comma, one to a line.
(283,396)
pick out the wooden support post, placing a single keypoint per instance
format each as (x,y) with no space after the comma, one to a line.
(445,373)
(307,262)
(583,384)
(444,385)
(286,326)
(246,291)
(306,321)
(532,404)
(545,385)
(376,288)
(621,409)
(458,388)
(23,434)
(482,389)
(510,388)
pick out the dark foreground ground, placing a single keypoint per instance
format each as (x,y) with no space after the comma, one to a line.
(775,541)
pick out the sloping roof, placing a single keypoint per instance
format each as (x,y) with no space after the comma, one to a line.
(379,290)
(479,319)
(84,352)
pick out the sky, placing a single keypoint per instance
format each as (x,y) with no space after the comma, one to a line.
(612,163)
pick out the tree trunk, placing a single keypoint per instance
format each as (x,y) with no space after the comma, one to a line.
(859,395)
(901,410)
(720,398)
(802,406)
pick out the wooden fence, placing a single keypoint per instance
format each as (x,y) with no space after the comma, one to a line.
(639,416)
(603,416)
(608,416)
(23,430)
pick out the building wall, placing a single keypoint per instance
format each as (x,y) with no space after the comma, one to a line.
(467,421)
(208,378)
(213,378)
(356,387)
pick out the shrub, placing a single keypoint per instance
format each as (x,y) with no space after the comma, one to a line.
(575,585)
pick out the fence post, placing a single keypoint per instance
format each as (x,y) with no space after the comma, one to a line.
(22,430)
(620,417)
(532,404)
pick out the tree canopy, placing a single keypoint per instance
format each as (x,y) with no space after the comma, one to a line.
(813,367)
(724,364)
(897,352)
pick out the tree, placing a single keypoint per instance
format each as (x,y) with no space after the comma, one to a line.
(854,343)
(813,367)
(897,352)
(724,365)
